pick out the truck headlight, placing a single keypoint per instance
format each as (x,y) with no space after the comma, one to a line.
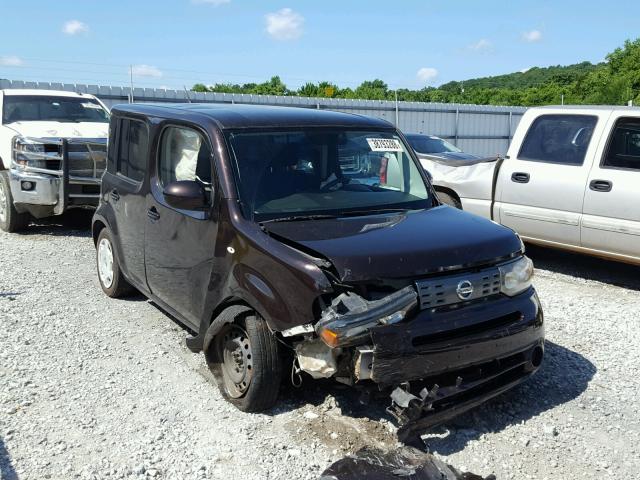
(27,152)
(515,277)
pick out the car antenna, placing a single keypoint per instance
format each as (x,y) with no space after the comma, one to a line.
(187,92)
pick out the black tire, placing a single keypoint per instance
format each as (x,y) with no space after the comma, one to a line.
(10,220)
(251,384)
(116,286)
(449,200)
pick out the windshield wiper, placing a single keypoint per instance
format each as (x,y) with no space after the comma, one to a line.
(298,218)
(373,211)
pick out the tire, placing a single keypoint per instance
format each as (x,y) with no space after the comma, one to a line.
(110,276)
(246,363)
(10,220)
(449,200)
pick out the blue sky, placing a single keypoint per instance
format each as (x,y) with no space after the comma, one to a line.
(406,43)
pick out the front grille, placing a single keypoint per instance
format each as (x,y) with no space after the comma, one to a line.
(443,291)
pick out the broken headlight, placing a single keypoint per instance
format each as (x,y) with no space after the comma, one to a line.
(349,317)
(515,277)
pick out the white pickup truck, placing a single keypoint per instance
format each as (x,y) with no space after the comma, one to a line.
(52,154)
(571,179)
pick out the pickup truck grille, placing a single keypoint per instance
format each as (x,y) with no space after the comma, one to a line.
(86,158)
(449,290)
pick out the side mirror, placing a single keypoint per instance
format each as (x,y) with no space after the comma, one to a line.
(185,195)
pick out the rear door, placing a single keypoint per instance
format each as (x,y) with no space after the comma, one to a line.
(123,180)
(180,244)
(541,185)
(611,221)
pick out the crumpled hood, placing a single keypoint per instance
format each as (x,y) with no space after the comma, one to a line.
(60,129)
(401,245)
(449,156)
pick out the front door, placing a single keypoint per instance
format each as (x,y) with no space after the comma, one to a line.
(179,244)
(541,186)
(611,221)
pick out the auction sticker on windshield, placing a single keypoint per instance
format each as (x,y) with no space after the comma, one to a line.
(384,145)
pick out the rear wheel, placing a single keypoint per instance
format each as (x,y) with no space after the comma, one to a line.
(247,364)
(10,220)
(450,200)
(112,281)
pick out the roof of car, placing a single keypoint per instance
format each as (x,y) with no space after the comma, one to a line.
(246,116)
(34,91)
(606,108)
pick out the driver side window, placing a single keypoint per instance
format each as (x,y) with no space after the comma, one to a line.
(185,155)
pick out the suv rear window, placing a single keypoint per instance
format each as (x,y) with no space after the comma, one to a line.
(624,146)
(561,139)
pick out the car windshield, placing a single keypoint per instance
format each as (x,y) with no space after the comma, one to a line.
(293,174)
(427,144)
(30,108)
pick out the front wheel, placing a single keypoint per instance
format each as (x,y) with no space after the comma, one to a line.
(246,363)
(450,200)
(10,220)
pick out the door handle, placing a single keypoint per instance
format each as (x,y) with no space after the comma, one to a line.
(153,214)
(520,177)
(115,196)
(601,185)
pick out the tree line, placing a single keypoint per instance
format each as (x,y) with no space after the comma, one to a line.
(615,81)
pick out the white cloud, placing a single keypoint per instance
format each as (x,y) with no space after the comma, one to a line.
(215,3)
(482,45)
(284,24)
(146,71)
(427,74)
(525,70)
(74,27)
(532,36)
(11,61)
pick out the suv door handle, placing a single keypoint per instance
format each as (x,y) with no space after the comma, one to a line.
(153,214)
(520,177)
(115,196)
(601,185)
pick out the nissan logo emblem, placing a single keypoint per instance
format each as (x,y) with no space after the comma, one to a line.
(464,289)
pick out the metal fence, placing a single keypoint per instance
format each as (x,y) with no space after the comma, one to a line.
(479,129)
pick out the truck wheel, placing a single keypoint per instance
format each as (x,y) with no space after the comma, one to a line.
(112,281)
(247,366)
(10,220)
(449,200)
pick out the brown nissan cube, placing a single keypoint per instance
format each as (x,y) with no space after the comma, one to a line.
(298,243)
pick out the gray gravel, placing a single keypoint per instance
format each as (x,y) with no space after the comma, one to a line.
(98,388)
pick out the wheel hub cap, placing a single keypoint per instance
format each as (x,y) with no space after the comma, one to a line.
(105,263)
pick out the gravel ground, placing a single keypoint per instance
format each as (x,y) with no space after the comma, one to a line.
(98,388)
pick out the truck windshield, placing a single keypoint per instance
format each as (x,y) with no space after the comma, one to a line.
(292,174)
(427,144)
(33,108)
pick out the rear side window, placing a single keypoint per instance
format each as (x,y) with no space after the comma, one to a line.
(131,161)
(561,139)
(624,146)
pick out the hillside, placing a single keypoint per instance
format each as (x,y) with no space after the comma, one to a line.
(614,82)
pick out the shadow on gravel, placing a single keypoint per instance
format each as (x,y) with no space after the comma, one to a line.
(73,223)
(6,468)
(563,376)
(585,266)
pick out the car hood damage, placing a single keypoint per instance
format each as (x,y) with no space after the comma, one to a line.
(401,245)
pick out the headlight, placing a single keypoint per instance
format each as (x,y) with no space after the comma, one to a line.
(515,277)
(28,152)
